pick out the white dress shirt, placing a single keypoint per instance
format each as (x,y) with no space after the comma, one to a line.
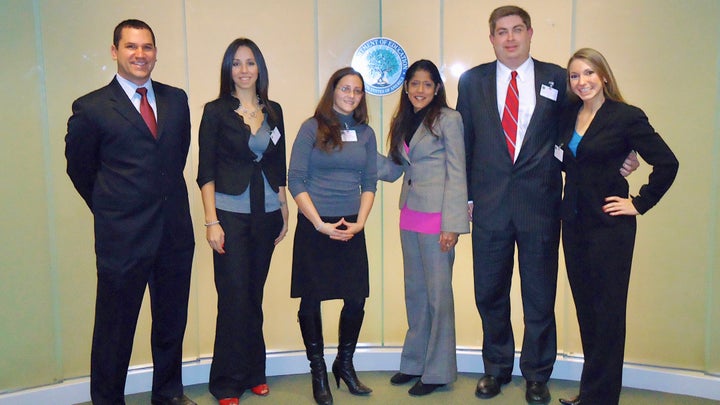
(526,89)
(135,97)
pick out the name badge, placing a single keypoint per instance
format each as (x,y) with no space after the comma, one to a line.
(275,136)
(558,152)
(549,92)
(348,135)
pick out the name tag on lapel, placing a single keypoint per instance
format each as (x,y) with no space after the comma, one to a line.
(275,136)
(549,92)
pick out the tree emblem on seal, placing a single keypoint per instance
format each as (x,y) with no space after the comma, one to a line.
(382,62)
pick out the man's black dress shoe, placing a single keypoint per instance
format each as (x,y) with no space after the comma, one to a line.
(488,386)
(571,401)
(183,400)
(402,378)
(420,388)
(537,392)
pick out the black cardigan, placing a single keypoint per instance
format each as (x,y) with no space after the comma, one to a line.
(225,156)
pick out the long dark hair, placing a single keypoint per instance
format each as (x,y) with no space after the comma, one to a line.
(227,85)
(402,120)
(329,127)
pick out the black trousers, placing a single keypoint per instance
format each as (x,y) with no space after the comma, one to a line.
(598,260)
(240,274)
(493,262)
(120,289)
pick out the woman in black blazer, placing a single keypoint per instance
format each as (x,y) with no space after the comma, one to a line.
(598,214)
(241,175)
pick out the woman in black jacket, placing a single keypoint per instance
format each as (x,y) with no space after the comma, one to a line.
(598,214)
(242,176)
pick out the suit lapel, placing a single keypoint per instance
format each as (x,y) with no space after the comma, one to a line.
(536,123)
(599,121)
(126,109)
(489,95)
(488,89)
(161,103)
(420,133)
(540,106)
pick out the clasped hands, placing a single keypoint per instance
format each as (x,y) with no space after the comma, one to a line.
(341,230)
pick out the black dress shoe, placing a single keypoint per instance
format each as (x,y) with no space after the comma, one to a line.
(488,386)
(537,392)
(420,388)
(571,401)
(183,400)
(402,378)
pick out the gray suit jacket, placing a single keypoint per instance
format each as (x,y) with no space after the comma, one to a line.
(434,170)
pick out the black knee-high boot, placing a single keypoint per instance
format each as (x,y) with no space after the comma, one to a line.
(342,367)
(311,329)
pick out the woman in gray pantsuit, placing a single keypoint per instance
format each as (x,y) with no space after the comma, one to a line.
(426,144)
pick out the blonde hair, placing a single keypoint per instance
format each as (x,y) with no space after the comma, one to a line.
(597,61)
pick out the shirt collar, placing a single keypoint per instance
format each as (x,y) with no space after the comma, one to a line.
(130,87)
(523,70)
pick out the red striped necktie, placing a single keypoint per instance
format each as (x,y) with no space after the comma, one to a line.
(510,114)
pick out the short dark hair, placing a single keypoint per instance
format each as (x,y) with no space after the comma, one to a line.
(131,23)
(506,11)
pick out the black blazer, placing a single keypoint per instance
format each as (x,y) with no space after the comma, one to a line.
(225,156)
(133,183)
(594,174)
(527,192)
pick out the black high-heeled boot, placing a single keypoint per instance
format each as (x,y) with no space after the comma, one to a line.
(311,329)
(342,367)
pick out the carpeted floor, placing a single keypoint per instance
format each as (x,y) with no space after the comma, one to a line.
(296,390)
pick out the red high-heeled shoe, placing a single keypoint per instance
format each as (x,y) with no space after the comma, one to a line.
(229,401)
(261,389)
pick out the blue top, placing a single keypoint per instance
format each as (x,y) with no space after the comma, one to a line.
(258,143)
(333,180)
(574,142)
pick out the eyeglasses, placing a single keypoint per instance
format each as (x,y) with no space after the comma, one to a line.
(348,90)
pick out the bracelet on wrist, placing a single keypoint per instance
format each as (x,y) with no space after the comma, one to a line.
(211,223)
(319,227)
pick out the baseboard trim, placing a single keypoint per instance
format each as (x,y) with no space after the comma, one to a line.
(674,381)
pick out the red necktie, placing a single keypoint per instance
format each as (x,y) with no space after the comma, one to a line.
(510,114)
(146,111)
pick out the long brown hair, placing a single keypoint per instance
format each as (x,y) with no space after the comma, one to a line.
(329,127)
(597,61)
(403,118)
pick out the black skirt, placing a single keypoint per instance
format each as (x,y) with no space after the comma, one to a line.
(324,268)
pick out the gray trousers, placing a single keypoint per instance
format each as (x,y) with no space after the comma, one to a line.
(429,348)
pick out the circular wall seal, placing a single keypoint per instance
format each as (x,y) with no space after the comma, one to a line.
(382,63)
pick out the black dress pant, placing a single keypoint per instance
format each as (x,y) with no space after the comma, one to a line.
(240,275)
(598,260)
(120,289)
(493,262)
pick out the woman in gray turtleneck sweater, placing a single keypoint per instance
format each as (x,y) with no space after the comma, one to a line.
(332,177)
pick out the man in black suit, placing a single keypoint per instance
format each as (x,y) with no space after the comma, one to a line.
(128,167)
(515,200)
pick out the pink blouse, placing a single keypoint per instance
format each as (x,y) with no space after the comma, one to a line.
(416,221)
